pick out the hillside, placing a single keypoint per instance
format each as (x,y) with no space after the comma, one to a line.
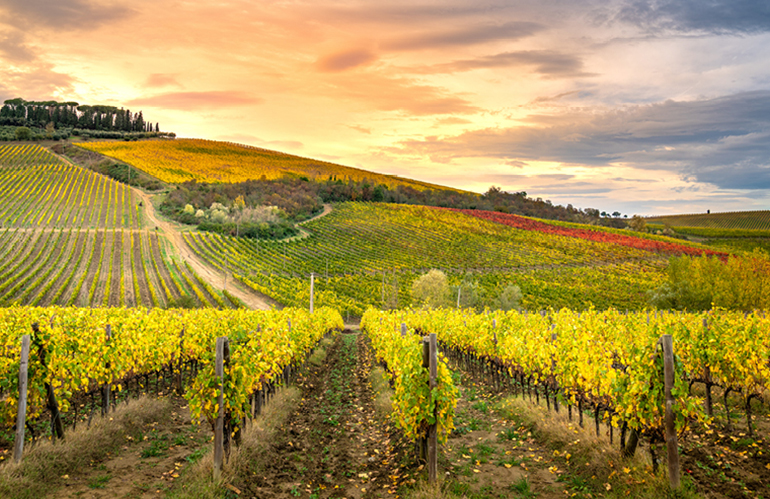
(181,160)
(746,220)
(89,236)
(369,255)
(72,237)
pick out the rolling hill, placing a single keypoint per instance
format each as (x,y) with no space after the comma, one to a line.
(744,220)
(72,237)
(181,160)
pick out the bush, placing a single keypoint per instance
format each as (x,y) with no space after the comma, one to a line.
(279,230)
(510,298)
(23,133)
(431,290)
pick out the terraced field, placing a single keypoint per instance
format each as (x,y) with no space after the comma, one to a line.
(72,237)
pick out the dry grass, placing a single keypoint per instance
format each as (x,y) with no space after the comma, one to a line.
(560,431)
(423,490)
(319,355)
(591,455)
(43,466)
(197,482)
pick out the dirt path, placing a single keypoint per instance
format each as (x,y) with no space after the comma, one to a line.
(327,209)
(148,464)
(208,274)
(331,446)
(304,233)
(489,453)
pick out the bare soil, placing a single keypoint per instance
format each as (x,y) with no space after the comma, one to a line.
(332,445)
(117,262)
(82,299)
(163,272)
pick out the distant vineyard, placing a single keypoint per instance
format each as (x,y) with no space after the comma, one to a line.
(37,189)
(369,254)
(181,160)
(645,243)
(73,237)
(751,220)
(91,268)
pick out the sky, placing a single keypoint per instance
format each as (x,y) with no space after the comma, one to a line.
(640,107)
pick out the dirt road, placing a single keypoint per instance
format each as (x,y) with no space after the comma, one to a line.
(215,278)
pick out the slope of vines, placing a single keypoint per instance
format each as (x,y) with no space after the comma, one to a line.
(369,254)
(70,236)
(748,220)
(180,160)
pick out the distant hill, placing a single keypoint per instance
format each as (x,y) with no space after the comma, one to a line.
(746,220)
(182,160)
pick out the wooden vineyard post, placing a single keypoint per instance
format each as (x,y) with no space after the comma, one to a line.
(555,383)
(403,332)
(180,364)
(671,438)
(312,290)
(432,429)
(57,427)
(21,414)
(222,351)
(423,443)
(106,388)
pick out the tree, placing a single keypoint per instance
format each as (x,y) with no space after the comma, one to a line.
(23,133)
(238,207)
(637,224)
(139,122)
(468,293)
(510,298)
(431,290)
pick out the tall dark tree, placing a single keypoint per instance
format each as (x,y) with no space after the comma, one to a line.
(139,122)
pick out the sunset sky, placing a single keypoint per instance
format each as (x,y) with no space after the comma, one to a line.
(635,106)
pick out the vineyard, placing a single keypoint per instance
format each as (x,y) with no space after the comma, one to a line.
(606,371)
(606,361)
(77,351)
(746,220)
(183,160)
(369,254)
(38,190)
(98,297)
(71,237)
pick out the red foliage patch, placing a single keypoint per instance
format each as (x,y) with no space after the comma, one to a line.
(591,235)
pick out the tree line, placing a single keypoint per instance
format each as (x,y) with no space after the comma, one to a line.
(40,114)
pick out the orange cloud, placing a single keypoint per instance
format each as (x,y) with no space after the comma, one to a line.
(342,61)
(162,80)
